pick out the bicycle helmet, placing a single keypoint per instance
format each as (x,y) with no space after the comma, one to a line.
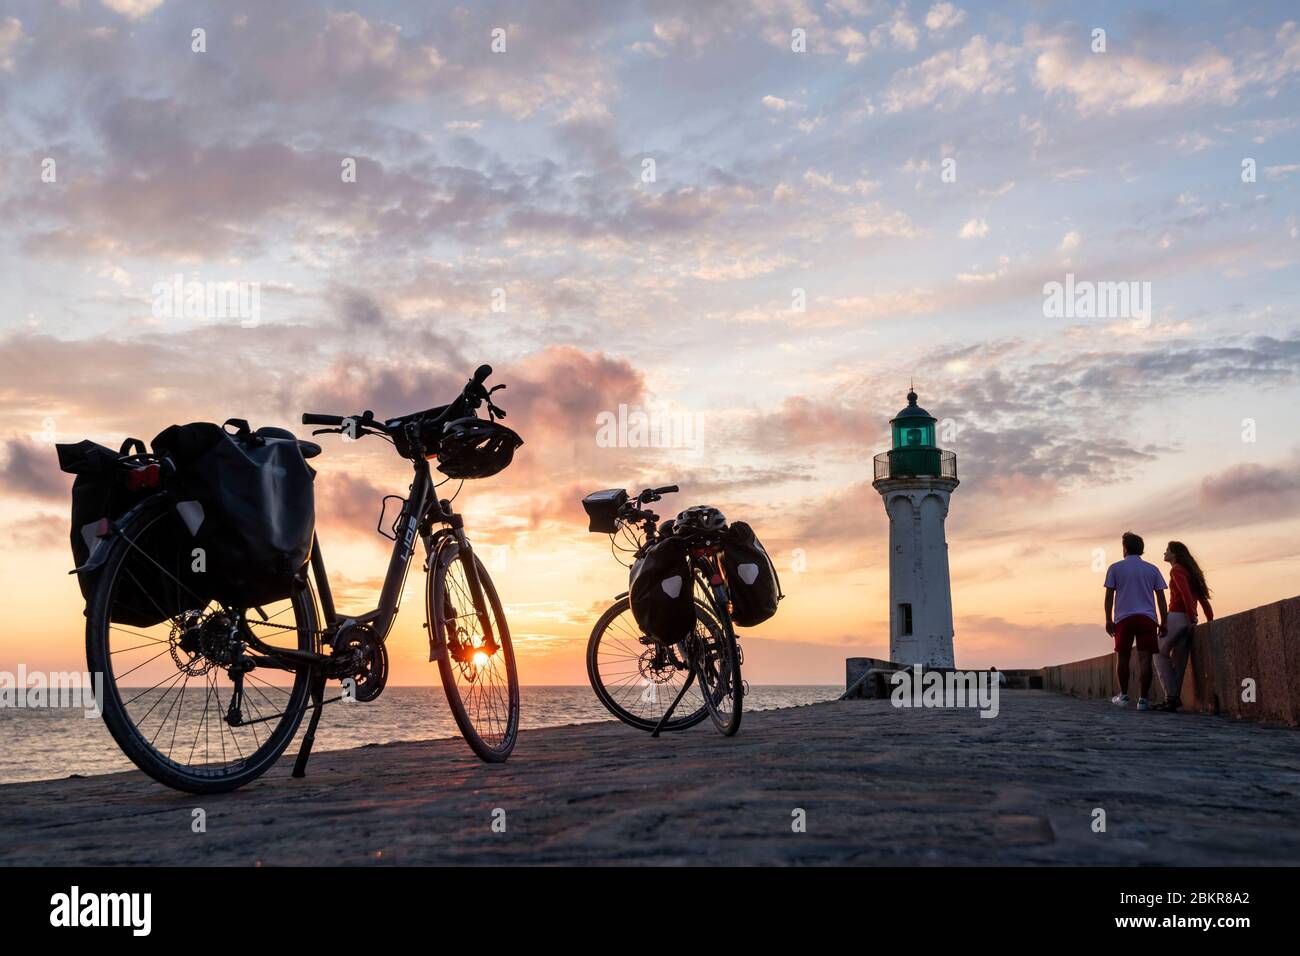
(700,518)
(475,448)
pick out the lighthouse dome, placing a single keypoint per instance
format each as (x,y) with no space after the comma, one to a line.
(913,410)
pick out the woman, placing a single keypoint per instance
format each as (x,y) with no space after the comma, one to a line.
(1187,588)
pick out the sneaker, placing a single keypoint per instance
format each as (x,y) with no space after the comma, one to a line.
(1119,700)
(1142,704)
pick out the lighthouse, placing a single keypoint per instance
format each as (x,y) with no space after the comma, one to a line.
(916,478)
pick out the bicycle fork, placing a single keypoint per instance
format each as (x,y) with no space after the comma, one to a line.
(443,642)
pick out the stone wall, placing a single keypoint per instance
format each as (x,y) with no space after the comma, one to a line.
(1262,644)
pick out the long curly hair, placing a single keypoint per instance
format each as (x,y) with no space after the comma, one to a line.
(1194,573)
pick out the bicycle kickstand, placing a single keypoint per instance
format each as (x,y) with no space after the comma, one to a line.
(669,712)
(309,738)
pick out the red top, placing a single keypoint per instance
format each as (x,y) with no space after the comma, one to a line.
(1181,597)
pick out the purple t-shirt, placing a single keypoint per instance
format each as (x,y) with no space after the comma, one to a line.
(1135,582)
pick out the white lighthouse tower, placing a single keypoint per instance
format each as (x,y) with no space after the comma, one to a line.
(916,478)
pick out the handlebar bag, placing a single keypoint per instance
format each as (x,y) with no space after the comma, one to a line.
(257,511)
(751,576)
(661,594)
(602,509)
(155,581)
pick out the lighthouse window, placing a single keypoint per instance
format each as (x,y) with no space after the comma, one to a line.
(904,620)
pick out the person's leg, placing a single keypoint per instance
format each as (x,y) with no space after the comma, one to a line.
(1164,667)
(1180,648)
(1148,643)
(1144,674)
(1123,649)
(1170,678)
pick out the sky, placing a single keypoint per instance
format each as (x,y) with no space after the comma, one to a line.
(758,220)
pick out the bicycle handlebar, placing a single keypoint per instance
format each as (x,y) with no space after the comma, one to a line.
(474,393)
(654,494)
(311,418)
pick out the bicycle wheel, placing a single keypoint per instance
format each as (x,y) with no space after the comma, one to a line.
(636,678)
(480,679)
(167,689)
(717,663)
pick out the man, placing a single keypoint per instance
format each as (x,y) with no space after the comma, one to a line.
(1134,589)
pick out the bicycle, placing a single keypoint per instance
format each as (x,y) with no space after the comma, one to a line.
(243,722)
(632,673)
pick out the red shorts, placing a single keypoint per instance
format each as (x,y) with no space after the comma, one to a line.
(1136,628)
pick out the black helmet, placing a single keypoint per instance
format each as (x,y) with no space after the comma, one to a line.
(475,448)
(700,518)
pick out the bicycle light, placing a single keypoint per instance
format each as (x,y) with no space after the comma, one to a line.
(146,476)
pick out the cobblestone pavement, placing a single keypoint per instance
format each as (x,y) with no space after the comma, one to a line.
(876,785)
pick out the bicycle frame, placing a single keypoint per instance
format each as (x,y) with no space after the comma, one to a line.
(417,518)
(419,513)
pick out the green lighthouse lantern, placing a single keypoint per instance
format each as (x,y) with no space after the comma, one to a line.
(914,451)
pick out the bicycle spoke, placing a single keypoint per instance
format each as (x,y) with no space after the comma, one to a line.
(482,687)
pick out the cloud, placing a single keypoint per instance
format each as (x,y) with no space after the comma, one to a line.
(742,268)
(11,35)
(874,221)
(1268,492)
(853,43)
(32,471)
(351,502)
(826,181)
(944,16)
(974,229)
(1004,266)
(1239,496)
(1113,81)
(36,532)
(132,9)
(902,32)
(978,69)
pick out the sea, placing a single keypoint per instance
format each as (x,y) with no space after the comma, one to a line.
(55,742)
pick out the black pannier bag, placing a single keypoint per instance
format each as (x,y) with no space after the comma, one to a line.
(154,582)
(602,509)
(751,577)
(256,511)
(661,594)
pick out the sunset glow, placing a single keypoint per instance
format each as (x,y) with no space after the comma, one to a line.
(763,301)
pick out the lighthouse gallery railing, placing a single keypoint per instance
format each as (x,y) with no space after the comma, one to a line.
(916,463)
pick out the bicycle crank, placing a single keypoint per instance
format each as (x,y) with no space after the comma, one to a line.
(360,660)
